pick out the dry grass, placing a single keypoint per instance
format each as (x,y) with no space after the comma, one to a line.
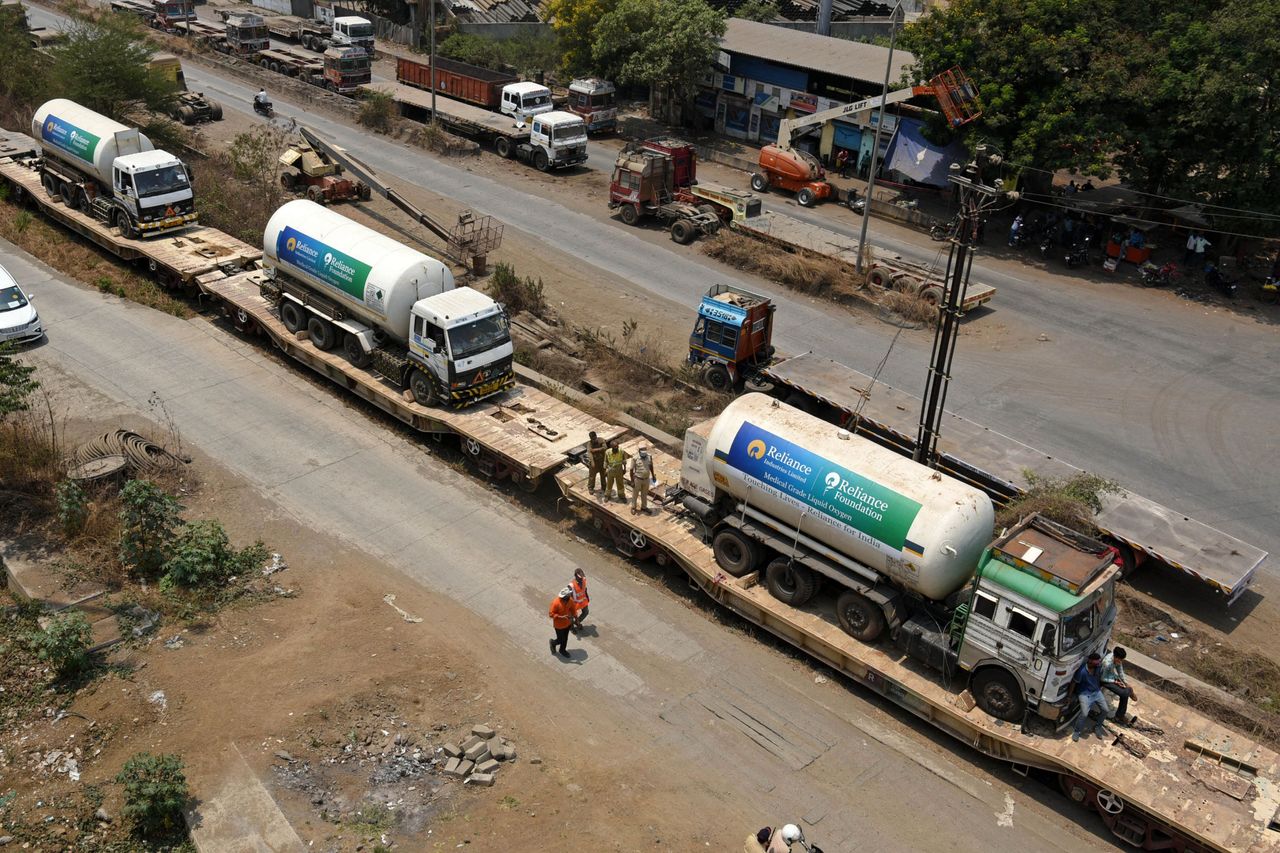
(435,138)
(799,272)
(30,463)
(516,293)
(1071,501)
(85,262)
(909,306)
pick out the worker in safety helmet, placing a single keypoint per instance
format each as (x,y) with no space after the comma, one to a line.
(783,839)
(562,613)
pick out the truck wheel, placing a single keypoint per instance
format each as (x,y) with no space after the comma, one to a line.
(83,203)
(316,194)
(125,224)
(806,197)
(354,351)
(502,147)
(735,553)
(321,333)
(790,582)
(292,317)
(630,214)
(878,277)
(932,294)
(759,182)
(422,388)
(68,194)
(540,161)
(266,63)
(186,115)
(50,185)
(289,181)
(683,232)
(859,616)
(718,379)
(215,111)
(997,692)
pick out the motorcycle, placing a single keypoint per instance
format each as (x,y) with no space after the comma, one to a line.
(945,230)
(1078,253)
(1226,286)
(264,108)
(1154,276)
(856,203)
(1046,246)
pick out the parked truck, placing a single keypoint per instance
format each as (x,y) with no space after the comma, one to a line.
(313,35)
(353,31)
(188,107)
(111,171)
(596,101)
(906,547)
(346,69)
(524,100)
(246,35)
(386,306)
(483,87)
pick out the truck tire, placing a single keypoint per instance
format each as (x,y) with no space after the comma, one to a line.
(354,351)
(82,202)
(50,185)
(215,111)
(292,316)
(683,231)
(316,194)
(629,214)
(540,161)
(289,180)
(997,692)
(422,387)
(806,197)
(859,616)
(905,283)
(67,192)
(125,224)
(932,294)
(186,115)
(502,147)
(735,553)
(878,277)
(759,182)
(321,333)
(790,582)
(265,63)
(717,378)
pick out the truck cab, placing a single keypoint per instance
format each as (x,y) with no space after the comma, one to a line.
(463,339)
(247,34)
(595,101)
(522,101)
(560,138)
(155,189)
(1042,600)
(169,13)
(346,69)
(732,335)
(353,31)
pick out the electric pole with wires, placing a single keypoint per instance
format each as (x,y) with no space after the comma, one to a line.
(976,201)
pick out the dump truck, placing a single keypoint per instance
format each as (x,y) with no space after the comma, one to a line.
(189,107)
(385,306)
(111,171)
(807,503)
(596,101)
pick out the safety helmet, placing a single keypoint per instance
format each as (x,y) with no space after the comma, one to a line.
(791,833)
(566,593)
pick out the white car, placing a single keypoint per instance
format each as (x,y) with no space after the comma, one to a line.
(19,321)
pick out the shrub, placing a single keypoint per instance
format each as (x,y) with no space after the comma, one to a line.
(376,111)
(149,518)
(516,293)
(1072,501)
(73,507)
(202,556)
(64,645)
(155,793)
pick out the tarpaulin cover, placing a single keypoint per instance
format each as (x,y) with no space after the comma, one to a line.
(918,159)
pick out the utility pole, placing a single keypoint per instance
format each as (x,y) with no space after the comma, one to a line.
(431,25)
(975,199)
(875,146)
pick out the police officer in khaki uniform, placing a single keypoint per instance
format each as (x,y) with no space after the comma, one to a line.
(641,477)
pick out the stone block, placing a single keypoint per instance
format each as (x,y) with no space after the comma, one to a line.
(482,731)
(504,752)
(489,765)
(452,750)
(470,742)
(451,766)
(485,779)
(465,767)
(478,753)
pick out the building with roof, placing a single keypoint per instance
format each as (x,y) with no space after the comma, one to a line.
(770,73)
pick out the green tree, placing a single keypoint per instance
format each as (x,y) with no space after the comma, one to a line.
(21,79)
(758,10)
(16,384)
(574,22)
(104,65)
(150,520)
(155,793)
(662,43)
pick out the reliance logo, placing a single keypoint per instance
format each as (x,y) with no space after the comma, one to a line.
(756,449)
(291,244)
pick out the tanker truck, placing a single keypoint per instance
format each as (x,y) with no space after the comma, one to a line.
(110,171)
(907,552)
(388,307)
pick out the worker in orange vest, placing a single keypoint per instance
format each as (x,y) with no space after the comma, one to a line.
(562,613)
(580,598)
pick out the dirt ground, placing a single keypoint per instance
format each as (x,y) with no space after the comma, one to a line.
(339,704)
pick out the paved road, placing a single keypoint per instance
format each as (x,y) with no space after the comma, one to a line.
(669,672)
(1175,401)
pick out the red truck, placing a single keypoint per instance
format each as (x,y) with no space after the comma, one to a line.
(457,80)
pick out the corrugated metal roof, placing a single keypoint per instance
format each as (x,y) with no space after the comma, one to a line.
(841,57)
(497,11)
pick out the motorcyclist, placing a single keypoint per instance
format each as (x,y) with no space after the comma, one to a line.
(260,101)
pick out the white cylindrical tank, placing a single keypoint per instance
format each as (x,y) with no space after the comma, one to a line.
(83,138)
(920,527)
(373,275)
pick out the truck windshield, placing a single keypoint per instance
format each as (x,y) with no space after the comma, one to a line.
(11,299)
(1079,627)
(569,133)
(360,30)
(353,64)
(167,179)
(540,100)
(478,336)
(602,100)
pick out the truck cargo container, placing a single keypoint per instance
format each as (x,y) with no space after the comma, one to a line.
(457,80)
(111,171)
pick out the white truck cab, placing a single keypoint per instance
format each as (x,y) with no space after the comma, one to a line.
(155,188)
(463,339)
(522,101)
(561,137)
(353,31)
